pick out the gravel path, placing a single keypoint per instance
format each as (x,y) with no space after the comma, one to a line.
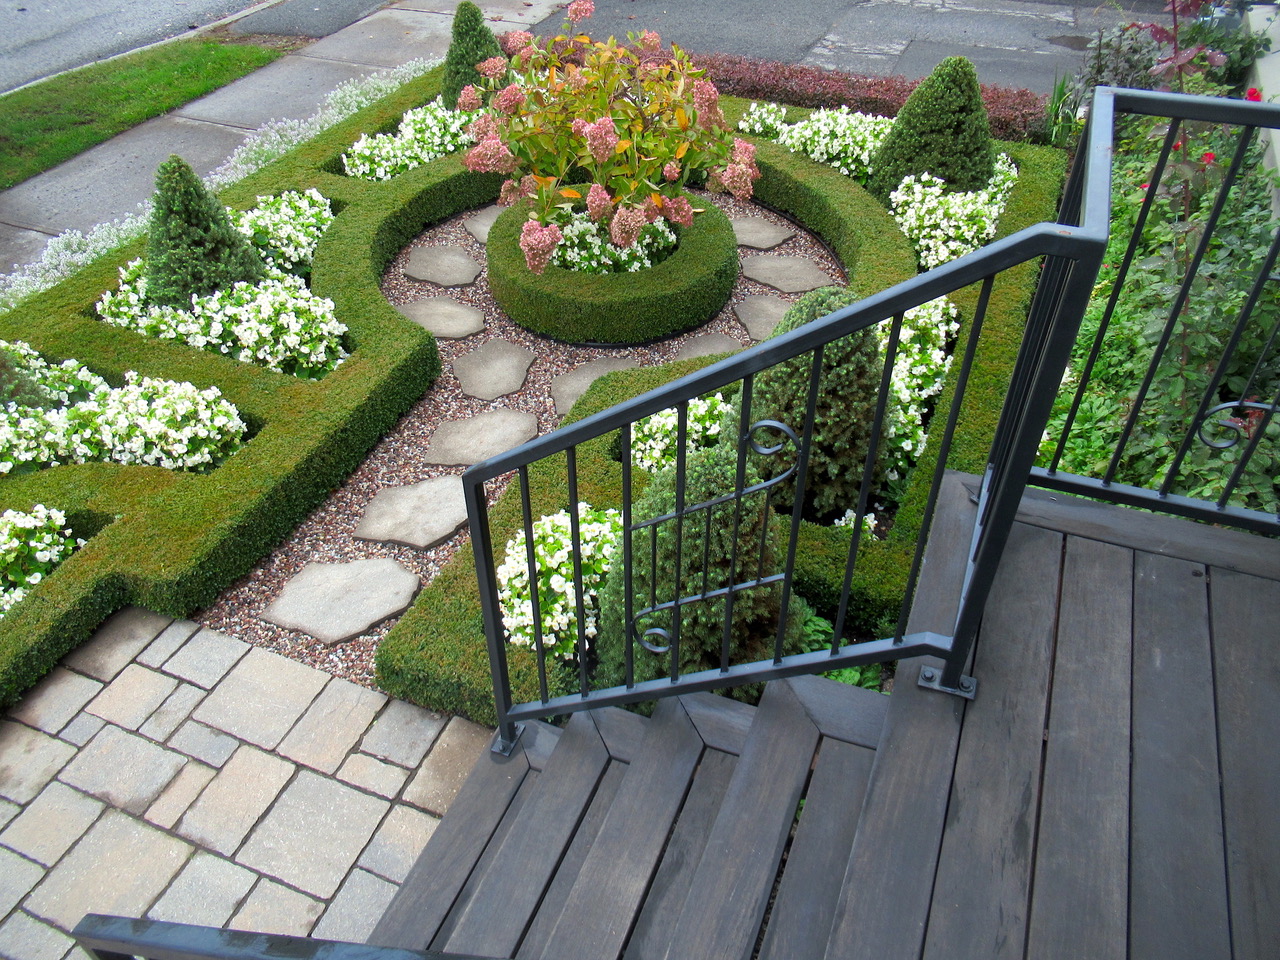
(326,535)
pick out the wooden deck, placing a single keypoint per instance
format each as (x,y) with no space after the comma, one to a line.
(1111,793)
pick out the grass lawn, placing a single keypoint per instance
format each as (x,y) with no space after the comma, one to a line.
(51,121)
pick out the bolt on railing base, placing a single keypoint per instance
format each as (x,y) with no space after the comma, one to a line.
(505,746)
(931,679)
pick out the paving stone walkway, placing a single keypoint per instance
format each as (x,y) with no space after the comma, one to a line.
(171,772)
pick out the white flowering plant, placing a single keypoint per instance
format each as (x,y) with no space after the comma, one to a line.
(764,120)
(841,138)
(286,229)
(425,134)
(586,246)
(598,534)
(32,544)
(653,439)
(943,226)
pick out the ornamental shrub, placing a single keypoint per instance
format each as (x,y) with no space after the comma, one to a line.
(942,129)
(846,402)
(193,249)
(473,42)
(708,552)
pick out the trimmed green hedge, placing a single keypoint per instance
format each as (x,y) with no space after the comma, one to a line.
(172,541)
(680,293)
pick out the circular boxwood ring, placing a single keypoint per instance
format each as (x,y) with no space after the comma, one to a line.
(680,293)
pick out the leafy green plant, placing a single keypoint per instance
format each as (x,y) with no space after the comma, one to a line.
(816,635)
(472,43)
(942,129)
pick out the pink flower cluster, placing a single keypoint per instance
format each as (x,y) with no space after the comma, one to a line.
(513,41)
(469,99)
(513,191)
(671,170)
(490,155)
(509,100)
(599,204)
(706,100)
(626,226)
(601,138)
(492,68)
(538,243)
(579,10)
(678,210)
(741,172)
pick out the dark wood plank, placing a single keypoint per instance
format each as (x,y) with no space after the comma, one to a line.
(651,938)
(1156,533)
(539,740)
(607,894)
(623,732)
(1246,648)
(800,921)
(730,890)
(1177,875)
(981,896)
(1080,904)
(842,711)
(884,901)
(496,914)
(535,939)
(722,723)
(419,908)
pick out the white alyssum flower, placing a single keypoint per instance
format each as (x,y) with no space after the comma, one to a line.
(586,246)
(841,138)
(653,439)
(32,544)
(425,134)
(286,230)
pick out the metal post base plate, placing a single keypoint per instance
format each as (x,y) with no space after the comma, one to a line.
(931,678)
(505,747)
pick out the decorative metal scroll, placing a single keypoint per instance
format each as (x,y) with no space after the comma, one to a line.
(1237,429)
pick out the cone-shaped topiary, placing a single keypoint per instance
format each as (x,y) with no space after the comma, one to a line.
(473,42)
(846,403)
(192,248)
(942,129)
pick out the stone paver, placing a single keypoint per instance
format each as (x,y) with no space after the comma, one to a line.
(17,877)
(132,696)
(171,638)
(55,700)
(760,314)
(116,643)
(332,725)
(8,810)
(51,823)
(173,712)
(24,937)
(274,908)
(481,222)
(123,769)
(204,743)
(448,764)
(493,369)
(759,234)
(418,515)
(82,729)
(707,345)
(444,317)
(447,266)
(234,799)
(396,845)
(376,776)
(787,274)
(284,844)
(459,442)
(206,658)
(356,908)
(28,760)
(403,734)
(101,873)
(568,387)
(179,795)
(261,698)
(206,892)
(337,601)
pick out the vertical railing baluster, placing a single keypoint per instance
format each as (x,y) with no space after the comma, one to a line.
(628,601)
(682,463)
(740,484)
(579,588)
(531,564)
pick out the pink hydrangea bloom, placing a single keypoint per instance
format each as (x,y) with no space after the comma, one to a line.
(483,127)
(626,226)
(539,243)
(490,156)
(650,41)
(679,210)
(599,204)
(581,9)
(509,100)
(601,139)
(706,100)
(493,68)
(514,40)
(744,152)
(469,98)
(510,193)
(579,127)
(525,54)
(736,178)
(671,171)
(650,210)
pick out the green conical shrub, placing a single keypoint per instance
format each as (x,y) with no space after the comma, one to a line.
(473,42)
(846,403)
(942,129)
(193,249)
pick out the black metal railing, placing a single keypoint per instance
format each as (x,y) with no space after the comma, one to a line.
(122,938)
(1175,384)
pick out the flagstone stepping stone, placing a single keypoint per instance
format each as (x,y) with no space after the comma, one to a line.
(788,274)
(706,345)
(493,369)
(568,387)
(447,266)
(479,224)
(444,317)
(334,602)
(464,442)
(417,515)
(760,314)
(759,233)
